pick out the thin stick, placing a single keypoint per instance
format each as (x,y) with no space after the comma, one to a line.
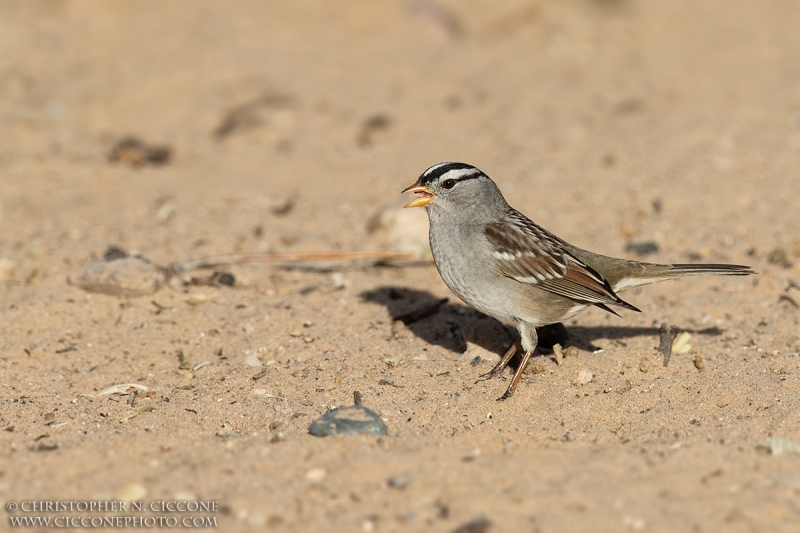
(232,259)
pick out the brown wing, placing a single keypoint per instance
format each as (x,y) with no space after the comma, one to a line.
(530,254)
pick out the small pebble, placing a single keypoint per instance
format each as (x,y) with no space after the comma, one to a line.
(668,334)
(779,446)
(681,343)
(572,351)
(397,482)
(558,353)
(393,361)
(642,248)
(778,257)
(584,377)
(253,361)
(401,230)
(481,524)
(398,329)
(223,278)
(339,281)
(699,363)
(133,152)
(132,492)
(6,268)
(226,432)
(128,277)
(316,475)
(354,420)
(474,454)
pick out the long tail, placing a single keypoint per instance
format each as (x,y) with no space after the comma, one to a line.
(711,269)
(646,273)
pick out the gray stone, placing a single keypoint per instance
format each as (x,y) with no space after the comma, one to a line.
(355,420)
(126,277)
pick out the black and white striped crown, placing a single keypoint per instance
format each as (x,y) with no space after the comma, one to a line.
(455,171)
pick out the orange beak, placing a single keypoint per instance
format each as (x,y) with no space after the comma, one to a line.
(424,195)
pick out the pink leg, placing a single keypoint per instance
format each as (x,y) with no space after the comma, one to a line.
(501,365)
(517,376)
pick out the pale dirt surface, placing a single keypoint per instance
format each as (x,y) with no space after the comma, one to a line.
(585,113)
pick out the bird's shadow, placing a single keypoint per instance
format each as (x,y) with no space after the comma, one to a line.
(443,323)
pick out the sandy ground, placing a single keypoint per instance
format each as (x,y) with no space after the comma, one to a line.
(291,125)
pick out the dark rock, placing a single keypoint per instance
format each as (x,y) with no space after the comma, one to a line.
(668,334)
(132,151)
(778,256)
(481,524)
(114,252)
(642,248)
(223,278)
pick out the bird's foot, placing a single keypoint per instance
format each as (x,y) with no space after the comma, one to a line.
(506,395)
(501,364)
(493,373)
(517,376)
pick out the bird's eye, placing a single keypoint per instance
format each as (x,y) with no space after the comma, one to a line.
(448,184)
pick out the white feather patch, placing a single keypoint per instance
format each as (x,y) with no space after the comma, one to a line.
(627,283)
(434,167)
(504,256)
(458,173)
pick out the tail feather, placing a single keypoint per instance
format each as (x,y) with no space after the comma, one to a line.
(705,269)
(646,273)
(619,303)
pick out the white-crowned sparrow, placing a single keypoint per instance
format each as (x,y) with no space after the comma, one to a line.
(506,266)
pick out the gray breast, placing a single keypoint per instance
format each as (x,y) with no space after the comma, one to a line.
(463,257)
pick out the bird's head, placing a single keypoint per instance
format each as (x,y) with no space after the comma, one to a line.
(458,192)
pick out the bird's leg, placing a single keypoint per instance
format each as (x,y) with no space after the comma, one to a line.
(517,376)
(501,365)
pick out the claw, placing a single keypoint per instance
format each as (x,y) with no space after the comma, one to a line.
(484,377)
(506,395)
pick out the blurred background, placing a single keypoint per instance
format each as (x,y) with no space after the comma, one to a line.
(586,112)
(188,128)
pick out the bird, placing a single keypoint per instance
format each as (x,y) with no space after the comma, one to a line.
(506,266)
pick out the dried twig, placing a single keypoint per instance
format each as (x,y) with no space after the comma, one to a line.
(232,259)
(136,413)
(122,388)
